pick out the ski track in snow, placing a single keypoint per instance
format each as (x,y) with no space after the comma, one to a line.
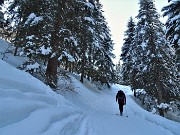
(64,125)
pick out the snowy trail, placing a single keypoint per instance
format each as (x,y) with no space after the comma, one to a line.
(136,123)
(102,119)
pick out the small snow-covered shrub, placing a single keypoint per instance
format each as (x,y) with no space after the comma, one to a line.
(163,108)
(147,101)
(30,66)
(65,83)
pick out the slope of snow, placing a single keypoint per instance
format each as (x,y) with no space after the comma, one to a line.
(29,107)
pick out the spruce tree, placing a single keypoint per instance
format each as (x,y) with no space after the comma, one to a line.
(118,73)
(84,32)
(103,47)
(173,27)
(154,56)
(126,55)
(95,45)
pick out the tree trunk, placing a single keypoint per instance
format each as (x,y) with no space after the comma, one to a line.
(15,51)
(159,92)
(66,63)
(134,92)
(82,64)
(51,72)
(160,98)
(90,63)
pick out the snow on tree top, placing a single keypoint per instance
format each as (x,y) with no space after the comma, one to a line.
(32,66)
(68,56)
(45,51)
(88,4)
(32,17)
(163,105)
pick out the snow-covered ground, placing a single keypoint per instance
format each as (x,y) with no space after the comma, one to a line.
(29,107)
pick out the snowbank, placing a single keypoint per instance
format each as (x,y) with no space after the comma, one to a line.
(29,107)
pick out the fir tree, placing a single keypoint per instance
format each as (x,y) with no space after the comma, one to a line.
(154,56)
(118,73)
(173,27)
(84,33)
(103,47)
(127,48)
(95,45)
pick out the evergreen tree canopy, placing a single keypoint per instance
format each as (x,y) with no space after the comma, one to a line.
(127,52)
(173,27)
(73,33)
(153,56)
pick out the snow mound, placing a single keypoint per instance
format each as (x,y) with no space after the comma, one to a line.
(30,107)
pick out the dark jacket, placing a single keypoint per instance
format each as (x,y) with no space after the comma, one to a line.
(121,97)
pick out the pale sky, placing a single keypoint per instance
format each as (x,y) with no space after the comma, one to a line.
(118,12)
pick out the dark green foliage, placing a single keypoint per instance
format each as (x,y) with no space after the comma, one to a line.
(72,34)
(127,50)
(173,28)
(151,66)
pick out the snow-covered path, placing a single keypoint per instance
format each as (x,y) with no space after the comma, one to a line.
(136,123)
(105,122)
(101,116)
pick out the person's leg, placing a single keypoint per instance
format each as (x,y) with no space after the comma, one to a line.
(121,109)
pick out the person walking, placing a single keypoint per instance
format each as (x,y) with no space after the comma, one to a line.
(121,98)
